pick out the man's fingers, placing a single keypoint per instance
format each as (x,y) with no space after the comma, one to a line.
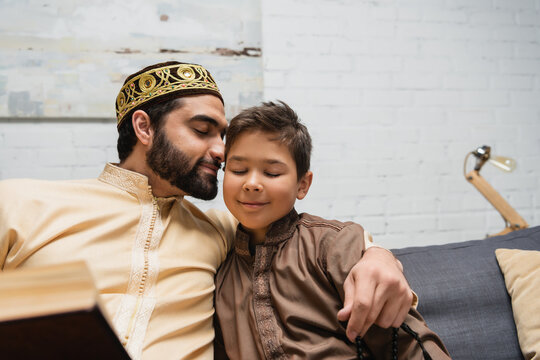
(348,289)
(387,315)
(398,314)
(375,294)
(371,316)
(401,315)
(396,305)
(361,307)
(344,313)
(384,313)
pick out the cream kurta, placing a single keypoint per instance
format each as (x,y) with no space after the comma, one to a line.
(153,259)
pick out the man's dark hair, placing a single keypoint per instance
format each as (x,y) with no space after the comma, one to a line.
(156,111)
(279,119)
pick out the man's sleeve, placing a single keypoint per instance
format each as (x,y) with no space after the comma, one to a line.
(368,240)
(6,234)
(226,223)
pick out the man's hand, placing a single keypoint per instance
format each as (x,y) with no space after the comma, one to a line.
(376,292)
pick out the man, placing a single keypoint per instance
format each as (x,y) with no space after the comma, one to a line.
(153,254)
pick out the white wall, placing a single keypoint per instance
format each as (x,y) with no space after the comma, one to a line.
(55,150)
(63,62)
(395,93)
(69,58)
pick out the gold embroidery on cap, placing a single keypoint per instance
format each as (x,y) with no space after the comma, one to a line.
(161,81)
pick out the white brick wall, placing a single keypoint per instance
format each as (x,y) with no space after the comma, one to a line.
(60,73)
(395,94)
(66,149)
(56,62)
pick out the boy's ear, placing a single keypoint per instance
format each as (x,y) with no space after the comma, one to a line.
(303,185)
(142,127)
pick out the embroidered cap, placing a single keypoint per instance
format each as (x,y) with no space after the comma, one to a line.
(162,82)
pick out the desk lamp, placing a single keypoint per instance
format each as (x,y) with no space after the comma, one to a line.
(510,216)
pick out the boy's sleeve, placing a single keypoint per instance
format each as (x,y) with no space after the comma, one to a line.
(342,252)
(219,346)
(346,250)
(379,340)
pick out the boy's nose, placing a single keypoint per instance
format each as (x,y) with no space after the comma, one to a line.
(252,185)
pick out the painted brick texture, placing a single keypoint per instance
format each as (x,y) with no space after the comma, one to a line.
(396,93)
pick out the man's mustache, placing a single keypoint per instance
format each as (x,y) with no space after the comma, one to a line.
(215,163)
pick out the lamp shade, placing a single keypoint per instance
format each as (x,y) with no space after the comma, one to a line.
(504,163)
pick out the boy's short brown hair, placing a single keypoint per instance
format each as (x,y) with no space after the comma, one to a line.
(274,118)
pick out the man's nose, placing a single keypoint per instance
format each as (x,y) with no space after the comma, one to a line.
(217,150)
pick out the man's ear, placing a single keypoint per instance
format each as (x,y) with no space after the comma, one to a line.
(303,185)
(142,127)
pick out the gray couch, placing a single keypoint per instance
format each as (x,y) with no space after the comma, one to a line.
(462,294)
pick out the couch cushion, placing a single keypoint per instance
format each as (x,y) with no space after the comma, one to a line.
(521,270)
(462,294)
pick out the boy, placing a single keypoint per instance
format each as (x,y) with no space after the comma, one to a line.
(278,293)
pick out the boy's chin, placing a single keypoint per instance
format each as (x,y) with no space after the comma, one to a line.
(255,227)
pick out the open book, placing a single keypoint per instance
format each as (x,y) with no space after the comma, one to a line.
(54,313)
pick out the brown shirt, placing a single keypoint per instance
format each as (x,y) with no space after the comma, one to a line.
(280,300)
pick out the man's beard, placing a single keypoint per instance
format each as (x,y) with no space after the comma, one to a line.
(173,165)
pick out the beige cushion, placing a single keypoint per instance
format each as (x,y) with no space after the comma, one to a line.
(521,269)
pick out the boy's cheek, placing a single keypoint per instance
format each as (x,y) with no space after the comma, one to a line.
(226,181)
(230,189)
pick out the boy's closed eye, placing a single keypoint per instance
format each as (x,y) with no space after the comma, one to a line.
(242,171)
(234,168)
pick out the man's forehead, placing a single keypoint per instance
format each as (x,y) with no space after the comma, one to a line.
(205,105)
(220,123)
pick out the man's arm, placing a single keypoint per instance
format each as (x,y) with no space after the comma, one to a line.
(376,292)
(226,223)
(5,231)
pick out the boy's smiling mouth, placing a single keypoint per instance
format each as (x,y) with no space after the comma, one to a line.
(253,204)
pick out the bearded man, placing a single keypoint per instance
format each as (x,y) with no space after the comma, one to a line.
(153,254)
